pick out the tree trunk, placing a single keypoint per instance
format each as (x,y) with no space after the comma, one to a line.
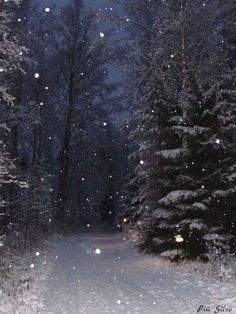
(183,46)
(65,156)
(183,61)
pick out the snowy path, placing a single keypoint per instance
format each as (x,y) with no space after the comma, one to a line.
(119,280)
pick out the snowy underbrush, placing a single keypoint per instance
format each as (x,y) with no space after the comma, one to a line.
(18,273)
(221,268)
(14,280)
(14,284)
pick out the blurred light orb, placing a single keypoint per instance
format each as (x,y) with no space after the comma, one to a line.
(98,251)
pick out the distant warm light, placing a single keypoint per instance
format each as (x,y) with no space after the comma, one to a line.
(179,238)
(125,221)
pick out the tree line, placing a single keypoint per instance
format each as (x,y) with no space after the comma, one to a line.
(60,150)
(63,160)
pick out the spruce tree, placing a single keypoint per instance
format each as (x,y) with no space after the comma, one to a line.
(11,59)
(185,177)
(227,64)
(192,178)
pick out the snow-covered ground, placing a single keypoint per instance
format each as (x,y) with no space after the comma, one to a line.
(99,273)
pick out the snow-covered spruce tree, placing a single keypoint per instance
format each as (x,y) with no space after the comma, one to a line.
(145,90)
(10,62)
(166,191)
(138,23)
(189,182)
(10,50)
(225,18)
(154,26)
(7,176)
(200,207)
(18,116)
(149,134)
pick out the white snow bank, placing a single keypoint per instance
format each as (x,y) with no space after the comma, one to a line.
(118,280)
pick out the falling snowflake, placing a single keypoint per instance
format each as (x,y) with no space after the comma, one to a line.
(98,251)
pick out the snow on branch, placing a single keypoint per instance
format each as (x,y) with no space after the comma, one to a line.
(178,196)
(193,131)
(173,153)
(165,213)
(192,224)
